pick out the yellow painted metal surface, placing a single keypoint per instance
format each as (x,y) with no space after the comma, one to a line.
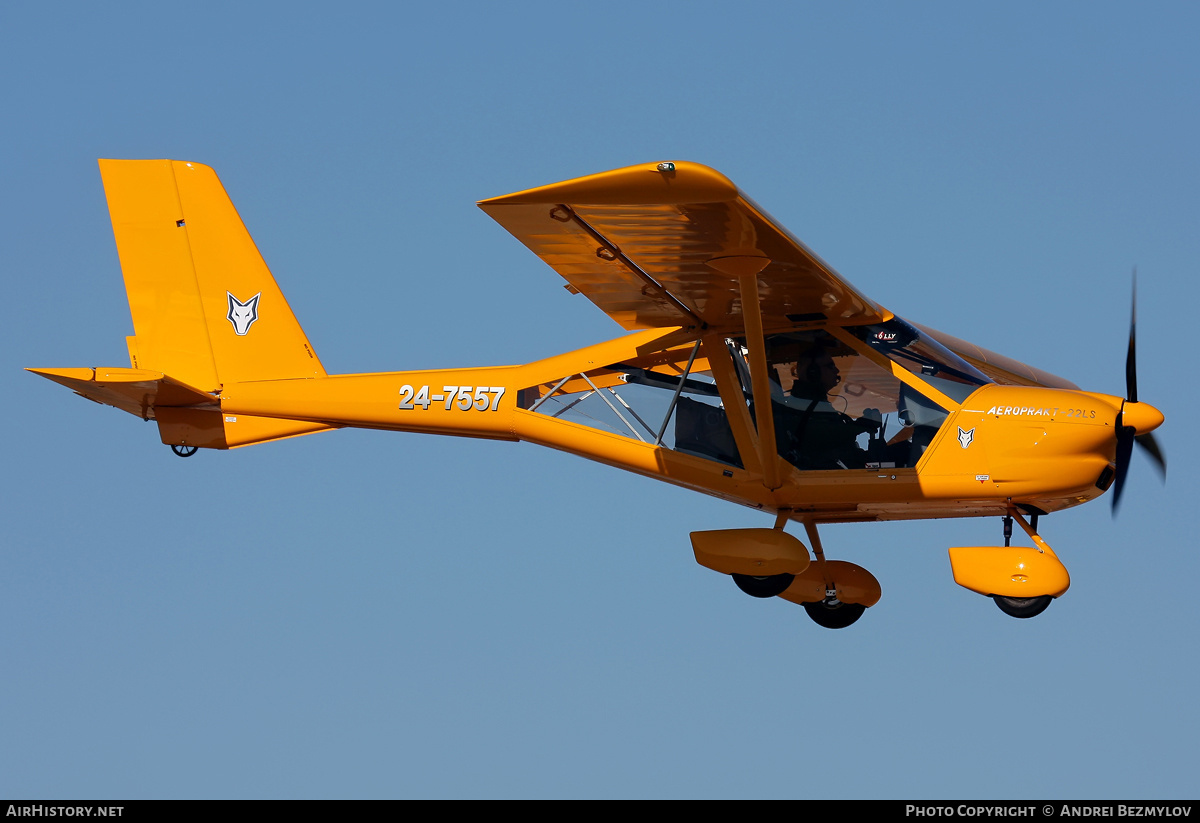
(1028,444)
(229,269)
(677,225)
(206,309)
(160,280)
(202,428)
(1044,447)
(755,552)
(137,391)
(1009,571)
(760,381)
(215,429)
(851,582)
(378,401)
(1141,417)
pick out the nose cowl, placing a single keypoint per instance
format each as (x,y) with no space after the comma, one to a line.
(1142,417)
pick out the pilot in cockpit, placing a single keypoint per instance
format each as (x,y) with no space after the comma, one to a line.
(811,432)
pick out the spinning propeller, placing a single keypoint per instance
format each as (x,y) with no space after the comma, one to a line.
(1135,417)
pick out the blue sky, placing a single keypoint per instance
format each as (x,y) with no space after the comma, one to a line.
(363,614)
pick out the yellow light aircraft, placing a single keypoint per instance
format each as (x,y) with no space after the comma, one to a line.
(871,417)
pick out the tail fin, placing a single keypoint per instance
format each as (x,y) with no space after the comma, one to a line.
(206,309)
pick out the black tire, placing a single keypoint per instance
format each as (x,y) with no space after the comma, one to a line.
(1022,606)
(763,586)
(834,617)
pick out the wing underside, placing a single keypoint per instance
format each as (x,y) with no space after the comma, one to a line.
(665,245)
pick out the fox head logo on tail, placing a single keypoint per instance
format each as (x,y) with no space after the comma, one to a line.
(242,315)
(965,436)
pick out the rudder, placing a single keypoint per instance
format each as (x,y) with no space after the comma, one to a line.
(205,307)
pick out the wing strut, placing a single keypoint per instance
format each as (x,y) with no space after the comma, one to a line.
(564,213)
(760,383)
(683,378)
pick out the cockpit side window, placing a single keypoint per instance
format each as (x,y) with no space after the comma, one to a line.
(833,408)
(667,398)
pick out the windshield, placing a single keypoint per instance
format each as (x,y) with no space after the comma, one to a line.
(902,343)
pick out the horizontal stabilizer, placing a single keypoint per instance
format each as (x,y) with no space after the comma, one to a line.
(186,416)
(136,391)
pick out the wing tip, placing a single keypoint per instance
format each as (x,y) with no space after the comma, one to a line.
(668,182)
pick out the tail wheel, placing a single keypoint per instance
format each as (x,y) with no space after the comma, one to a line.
(763,586)
(1022,606)
(832,614)
(184,451)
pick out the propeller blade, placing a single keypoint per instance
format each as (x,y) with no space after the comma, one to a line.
(1147,442)
(1125,436)
(1131,355)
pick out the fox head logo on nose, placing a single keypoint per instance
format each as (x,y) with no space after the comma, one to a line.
(242,315)
(965,436)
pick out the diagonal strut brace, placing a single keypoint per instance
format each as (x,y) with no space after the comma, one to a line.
(760,383)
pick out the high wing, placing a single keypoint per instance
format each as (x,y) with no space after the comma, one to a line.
(659,245)
(664,244)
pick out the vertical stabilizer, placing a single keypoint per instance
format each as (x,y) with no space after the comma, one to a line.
(206,310)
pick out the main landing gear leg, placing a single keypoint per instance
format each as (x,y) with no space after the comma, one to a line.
(1023,607)
(830,613)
